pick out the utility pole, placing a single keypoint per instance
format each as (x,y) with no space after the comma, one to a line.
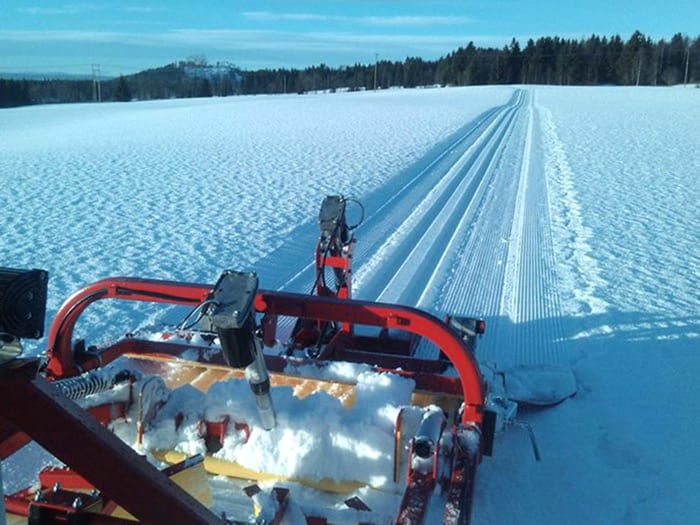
(96,87)
(687,61)
(376,62)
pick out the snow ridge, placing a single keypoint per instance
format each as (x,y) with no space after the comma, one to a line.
(578,270)
(509,297)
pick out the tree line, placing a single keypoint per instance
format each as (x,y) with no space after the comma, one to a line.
(548,60)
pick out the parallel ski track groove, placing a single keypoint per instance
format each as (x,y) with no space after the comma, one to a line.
(411,250)
(468,286)
(482,251)
(449,214)
(537,319)
(473,284)
(405,198)
(389,212)
(506,273)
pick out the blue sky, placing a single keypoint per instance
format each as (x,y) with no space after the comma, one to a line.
(128,36)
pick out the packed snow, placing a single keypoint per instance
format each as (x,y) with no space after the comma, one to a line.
(566,217)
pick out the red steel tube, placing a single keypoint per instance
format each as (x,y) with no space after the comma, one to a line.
(126,288)
(405,318)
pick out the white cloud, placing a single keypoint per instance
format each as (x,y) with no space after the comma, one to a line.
(231,39)
(61,36)
(416,20)
(268,16)
(68,9)
(74,9)
(144,9)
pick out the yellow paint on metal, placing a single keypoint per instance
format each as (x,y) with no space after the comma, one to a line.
(234,470)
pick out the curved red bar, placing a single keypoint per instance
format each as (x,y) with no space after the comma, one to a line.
(405,318)
(60,350)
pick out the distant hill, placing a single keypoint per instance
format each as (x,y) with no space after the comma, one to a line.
(182,80)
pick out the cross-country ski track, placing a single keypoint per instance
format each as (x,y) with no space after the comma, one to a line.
(465,232)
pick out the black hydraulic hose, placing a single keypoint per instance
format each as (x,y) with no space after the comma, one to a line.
(362,214)
(97,293)
(120,290)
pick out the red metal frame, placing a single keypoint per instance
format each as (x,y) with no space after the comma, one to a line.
(62,361)
(334,254)
(460,489)
(76,438)
(23,394)
(337,261)
(66,478)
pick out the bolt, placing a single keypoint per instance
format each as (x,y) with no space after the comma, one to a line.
(56,486)
(77,503)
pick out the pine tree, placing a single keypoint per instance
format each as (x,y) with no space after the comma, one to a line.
(122,93)
(204,88)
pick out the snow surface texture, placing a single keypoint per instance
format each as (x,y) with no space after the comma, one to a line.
(567,217)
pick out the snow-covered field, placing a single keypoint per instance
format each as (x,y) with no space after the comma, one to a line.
(567,217)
